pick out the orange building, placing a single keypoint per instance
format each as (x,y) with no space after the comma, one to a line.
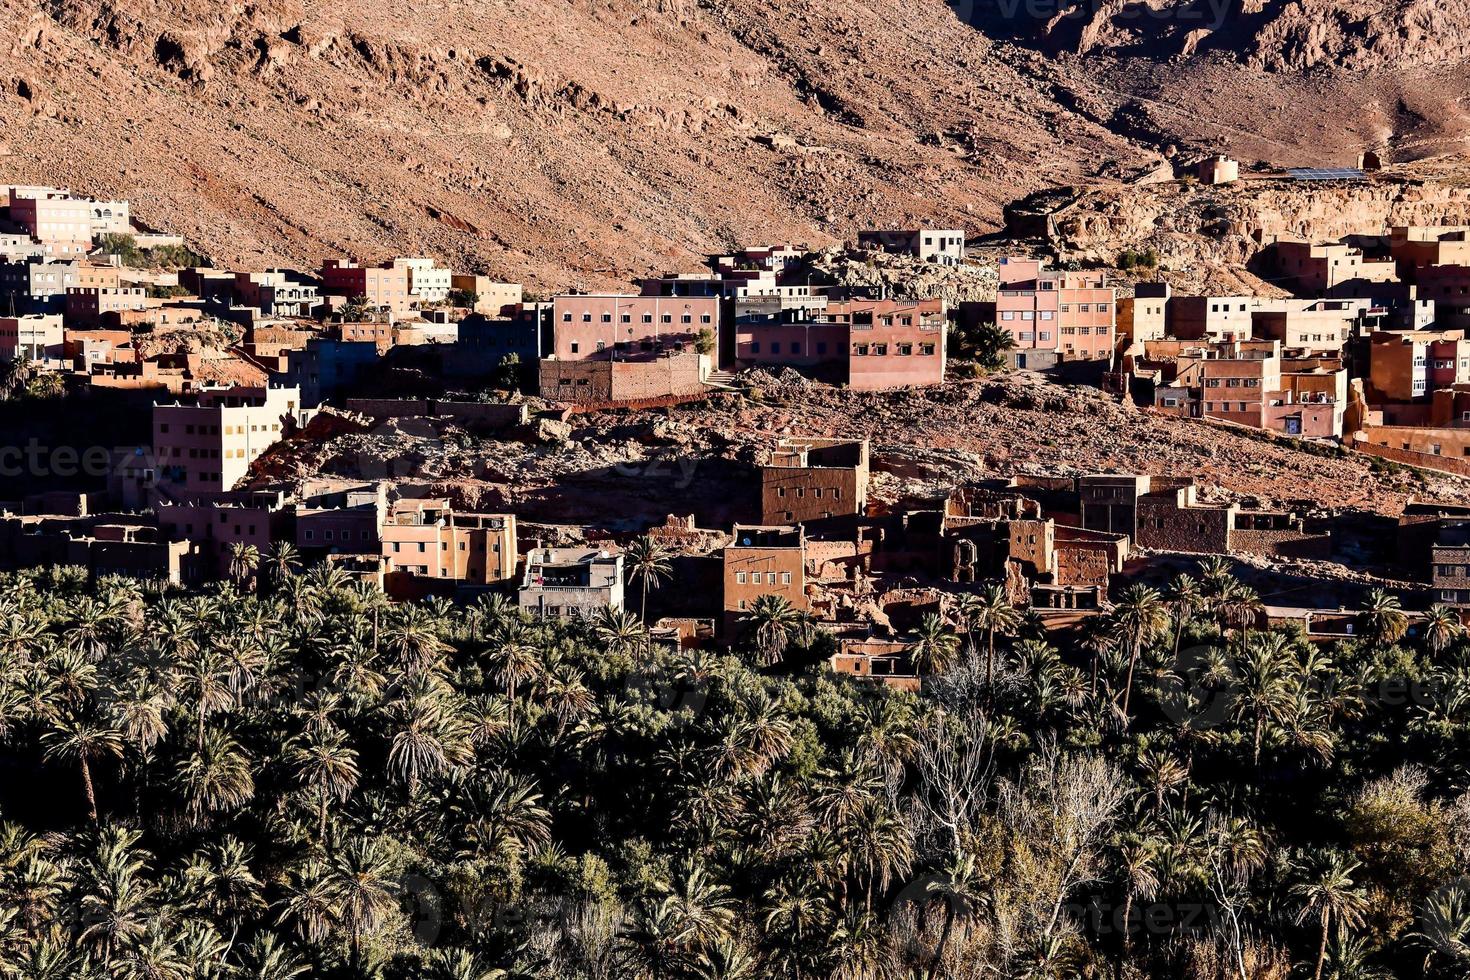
(380,286)
(429,539)
(763,561)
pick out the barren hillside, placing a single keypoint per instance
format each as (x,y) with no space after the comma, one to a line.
(598,139)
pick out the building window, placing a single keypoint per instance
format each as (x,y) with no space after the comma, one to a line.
(739,578)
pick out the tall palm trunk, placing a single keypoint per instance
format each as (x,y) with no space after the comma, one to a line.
(87,786)
(990,658)
(1322,946)
(1132,662)
(943,938)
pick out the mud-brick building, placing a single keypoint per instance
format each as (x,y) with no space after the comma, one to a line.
(1164,513)
(665,375)
(814,479)
(763,561)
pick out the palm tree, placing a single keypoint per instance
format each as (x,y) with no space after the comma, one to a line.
(1442,627)
(1262,689)
(431,738)
(649,563)
(962,889)
(216,776)
(934,645)
(620,631)
(244,560)
(1330,894)
(514,662)
(360,882)
(1139,615)
(83,741)
(990,611)
(772,620)
(1138,868)
(326,765)
(285,561)
(1383,618)
(1184,597)
(414,636)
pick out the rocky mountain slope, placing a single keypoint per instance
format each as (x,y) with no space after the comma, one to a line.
(594,140)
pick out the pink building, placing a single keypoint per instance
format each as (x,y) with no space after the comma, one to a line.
(61,223)
(605,326)
(894,345)
(868,344)
(217,521)
(1072,313)
(808,343)
(208,446)
(381,286)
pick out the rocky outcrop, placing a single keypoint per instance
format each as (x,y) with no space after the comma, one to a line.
(1187,224)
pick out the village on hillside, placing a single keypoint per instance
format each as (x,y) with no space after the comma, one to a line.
(273,406)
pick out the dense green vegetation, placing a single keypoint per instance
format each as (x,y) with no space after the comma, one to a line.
(126,248)
(312,782)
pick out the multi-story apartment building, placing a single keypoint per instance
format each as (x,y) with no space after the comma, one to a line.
(562,583)
(1071,313)
(619,326)
(430,540)
(1404,365)
(60,222)
(41,287)
(1144,315)
(383,286)
(763,561)
(215,521)
(777,259)
(1212,318)
(893,345)
(427,282)
(867,344)
(1312,325)
(1236,388)
(341,520)
(277,292)
(814,479)
(209,445)
(20,248)
(37,338)
(1416,247)
(91,306)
